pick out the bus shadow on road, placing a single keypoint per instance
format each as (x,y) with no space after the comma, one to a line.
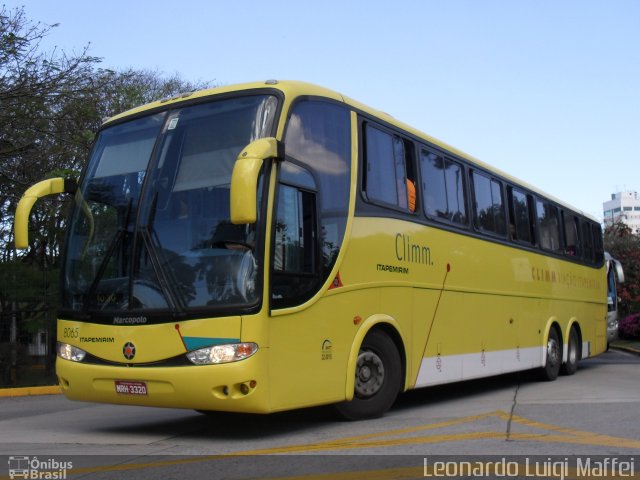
(245,426)
(227,425)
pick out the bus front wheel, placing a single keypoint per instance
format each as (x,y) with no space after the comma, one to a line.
(378,378)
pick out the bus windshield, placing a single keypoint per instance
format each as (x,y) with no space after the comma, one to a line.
(151,228)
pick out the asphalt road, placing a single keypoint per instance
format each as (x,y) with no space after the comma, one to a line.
(592,414)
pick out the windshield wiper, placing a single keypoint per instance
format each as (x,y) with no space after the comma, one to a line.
(115,243)
(173,298)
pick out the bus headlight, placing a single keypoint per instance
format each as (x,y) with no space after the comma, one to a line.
(69,352)
(216,354)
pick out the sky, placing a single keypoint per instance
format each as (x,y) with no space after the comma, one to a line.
(545,90)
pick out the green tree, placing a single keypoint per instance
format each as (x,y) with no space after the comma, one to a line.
(34,88)
(51,106)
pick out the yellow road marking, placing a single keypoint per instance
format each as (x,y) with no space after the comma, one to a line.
(573,436)
(577,436)
(554,434)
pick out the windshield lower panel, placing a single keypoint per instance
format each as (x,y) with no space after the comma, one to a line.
(151,227)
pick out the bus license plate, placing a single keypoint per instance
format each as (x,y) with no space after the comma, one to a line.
(131,388)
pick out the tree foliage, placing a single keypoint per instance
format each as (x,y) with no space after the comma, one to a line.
(51,105)
(624,245)
(35,90)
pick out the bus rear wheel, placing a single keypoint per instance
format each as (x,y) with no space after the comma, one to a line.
(378,378)
(553,361)
(573,353)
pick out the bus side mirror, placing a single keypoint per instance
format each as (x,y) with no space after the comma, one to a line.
(244,178)
(29,198)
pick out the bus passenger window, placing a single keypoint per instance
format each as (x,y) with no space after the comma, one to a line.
(571,236)
(489,207)
(588,253)
(389,177)
(598,243)
(443,187)
(548,226)
(519,216)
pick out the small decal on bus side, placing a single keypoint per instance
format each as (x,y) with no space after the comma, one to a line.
(327,354)
(391,268)
(409,251)
(337,282)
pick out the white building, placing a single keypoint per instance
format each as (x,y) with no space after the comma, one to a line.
(625,207)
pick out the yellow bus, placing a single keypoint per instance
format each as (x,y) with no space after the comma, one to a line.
(276,245)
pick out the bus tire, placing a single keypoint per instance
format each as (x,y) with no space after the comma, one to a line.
(378,378)
(573,354)
(553,361)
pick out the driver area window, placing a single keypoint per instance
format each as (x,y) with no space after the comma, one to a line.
(295,268)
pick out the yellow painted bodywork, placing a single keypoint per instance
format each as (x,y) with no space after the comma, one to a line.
(244,179)
(192,386)
(489,297)
(440,293)
(217,387)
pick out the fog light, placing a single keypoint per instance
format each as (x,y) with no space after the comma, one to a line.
(69,352)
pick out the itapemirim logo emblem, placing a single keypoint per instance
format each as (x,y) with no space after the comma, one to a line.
(34,468)
(129,350)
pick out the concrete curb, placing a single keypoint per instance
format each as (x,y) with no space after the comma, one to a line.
(30,391)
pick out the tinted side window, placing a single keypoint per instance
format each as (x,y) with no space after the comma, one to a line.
(318,136)
(489,207)
(389,177)
(548,226)
(598,243)
(443,188)
(588,252)
(571,235)
(295,268)
(295,231)
(519,216)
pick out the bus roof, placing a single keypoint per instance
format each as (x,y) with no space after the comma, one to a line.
(294,89)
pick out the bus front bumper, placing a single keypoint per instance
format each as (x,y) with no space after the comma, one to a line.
(231,387)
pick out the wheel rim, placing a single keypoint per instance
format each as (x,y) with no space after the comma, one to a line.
(553,351)
(369,374)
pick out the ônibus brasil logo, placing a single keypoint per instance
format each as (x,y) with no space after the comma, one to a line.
(27,467)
